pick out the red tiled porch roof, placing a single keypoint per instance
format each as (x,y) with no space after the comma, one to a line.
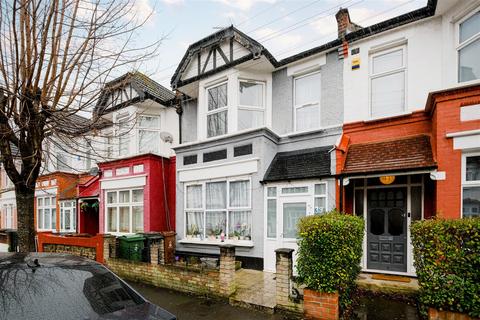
(412,152)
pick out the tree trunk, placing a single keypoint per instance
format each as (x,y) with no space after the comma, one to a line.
(25,212)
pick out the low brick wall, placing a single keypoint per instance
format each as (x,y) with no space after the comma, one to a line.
(434,314)
(168,276)
(75,250)
(90,247)
(284,281)
(320,305)
(216,282)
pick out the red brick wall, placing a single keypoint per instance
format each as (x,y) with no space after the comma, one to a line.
(446,119)
(319,305)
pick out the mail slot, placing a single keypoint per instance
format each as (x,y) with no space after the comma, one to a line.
(385,238)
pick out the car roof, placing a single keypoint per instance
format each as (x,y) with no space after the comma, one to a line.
(20,260)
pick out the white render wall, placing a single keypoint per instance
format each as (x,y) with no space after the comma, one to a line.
(431,59)
(423,62)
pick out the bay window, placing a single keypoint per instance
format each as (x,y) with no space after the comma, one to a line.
(68,216)
(217,114)
(251,108)
(387,83)
(47,213)
(124,211)
(148,134)
(469,48)
(471,186)
(307,102)
(213,208)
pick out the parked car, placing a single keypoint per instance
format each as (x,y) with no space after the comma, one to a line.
(61,286)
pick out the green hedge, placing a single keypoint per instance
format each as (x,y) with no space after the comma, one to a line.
(329,253)
(447,262)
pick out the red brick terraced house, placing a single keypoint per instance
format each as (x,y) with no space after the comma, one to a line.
(410,147)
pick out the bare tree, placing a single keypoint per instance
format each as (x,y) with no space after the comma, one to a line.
(54,57)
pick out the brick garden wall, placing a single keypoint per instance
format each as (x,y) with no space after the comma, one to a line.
(70,249)
(168,276)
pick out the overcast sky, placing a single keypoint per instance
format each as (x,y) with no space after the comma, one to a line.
(284,27)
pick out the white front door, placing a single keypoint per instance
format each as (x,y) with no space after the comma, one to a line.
(282,220)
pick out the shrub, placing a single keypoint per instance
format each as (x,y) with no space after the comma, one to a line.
(447,262)
(329,253)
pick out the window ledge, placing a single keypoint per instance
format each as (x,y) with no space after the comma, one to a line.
(237,243)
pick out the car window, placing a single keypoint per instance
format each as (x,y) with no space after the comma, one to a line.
(68,292)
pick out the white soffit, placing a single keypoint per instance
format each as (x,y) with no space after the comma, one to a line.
(222,170)
(126,183)
(46,192)
(306,66)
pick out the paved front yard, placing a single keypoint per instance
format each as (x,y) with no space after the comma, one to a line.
(187,307)
(192,307)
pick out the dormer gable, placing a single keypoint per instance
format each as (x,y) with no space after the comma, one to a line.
(131,88)
(215,53)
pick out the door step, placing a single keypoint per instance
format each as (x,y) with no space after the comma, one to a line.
(388,284)
(390,277)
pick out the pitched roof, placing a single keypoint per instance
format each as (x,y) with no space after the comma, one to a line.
(75,124)
(145,87)
(393,155)
(300,164)
(255,47)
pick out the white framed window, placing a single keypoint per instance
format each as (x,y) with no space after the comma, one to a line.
(468,47)
(320,198)
(124,211)
(294,190)
(109,148)
(251,104)
(271,212)
(63,161)
(123,134)
(388,82)
(148,133)
(217,110)
(8,209)
(307,95)
(47,213)
(471,185)
(68,216)
(216,207)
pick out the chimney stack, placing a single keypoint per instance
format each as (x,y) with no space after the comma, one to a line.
(344,23)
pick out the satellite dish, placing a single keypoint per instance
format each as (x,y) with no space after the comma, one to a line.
(93,171)
(166,137)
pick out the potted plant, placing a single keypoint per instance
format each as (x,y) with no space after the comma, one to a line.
(211,235)
(195,231)
(189,233)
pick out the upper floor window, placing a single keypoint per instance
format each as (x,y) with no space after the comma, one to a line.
(123,134)
(307,102)
(148,134)
(471,185)
(63,161)
(387,82)
(217,120)
(251,108)
(469,48)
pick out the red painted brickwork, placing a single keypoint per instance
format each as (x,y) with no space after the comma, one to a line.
(319,305)
(66,184)
(434,314)
(444,107)
(80,246)
(441,116)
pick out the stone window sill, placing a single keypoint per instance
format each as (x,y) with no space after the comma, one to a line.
(237,243)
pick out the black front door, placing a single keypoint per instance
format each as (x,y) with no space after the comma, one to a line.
(387,229)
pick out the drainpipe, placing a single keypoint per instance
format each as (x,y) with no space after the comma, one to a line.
(341,194)
(179,112)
